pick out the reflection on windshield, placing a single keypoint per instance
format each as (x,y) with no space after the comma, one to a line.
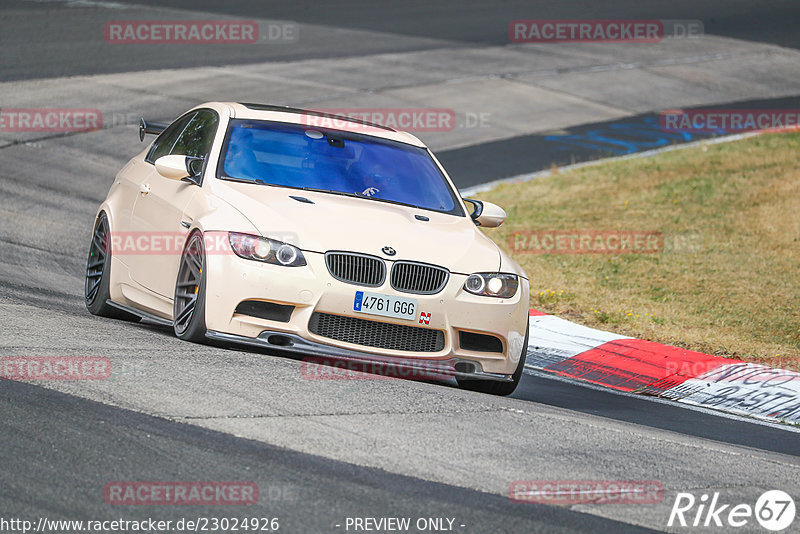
(292,155)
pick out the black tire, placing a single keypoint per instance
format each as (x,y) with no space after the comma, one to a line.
(98,273)
(189,305)
(493,387)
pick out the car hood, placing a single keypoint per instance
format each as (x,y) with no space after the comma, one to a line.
(327,222)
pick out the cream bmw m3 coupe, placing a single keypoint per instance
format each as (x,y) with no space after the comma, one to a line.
(301,231)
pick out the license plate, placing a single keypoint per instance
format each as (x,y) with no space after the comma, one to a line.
(385,305)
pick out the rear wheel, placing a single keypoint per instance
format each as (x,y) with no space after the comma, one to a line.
(498,388)
(98,273)
(189,308)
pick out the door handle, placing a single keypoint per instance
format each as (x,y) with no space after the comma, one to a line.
(144,189)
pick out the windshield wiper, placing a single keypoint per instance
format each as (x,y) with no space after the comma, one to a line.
(258,181)
(334,192)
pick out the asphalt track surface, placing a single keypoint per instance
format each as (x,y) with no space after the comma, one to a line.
(317,451)
(54,25)
(91,443)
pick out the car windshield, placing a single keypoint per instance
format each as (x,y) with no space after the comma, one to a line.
(332,161)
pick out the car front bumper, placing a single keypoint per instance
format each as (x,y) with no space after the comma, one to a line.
(311,289)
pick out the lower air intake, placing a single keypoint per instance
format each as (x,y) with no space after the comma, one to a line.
(376,334)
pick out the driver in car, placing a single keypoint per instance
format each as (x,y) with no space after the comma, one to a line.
(376,180)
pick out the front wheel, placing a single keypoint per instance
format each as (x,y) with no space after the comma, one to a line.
(98,273)
(492,387)
(189,307)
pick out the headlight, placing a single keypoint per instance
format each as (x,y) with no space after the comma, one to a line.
(498,285)
(257,248)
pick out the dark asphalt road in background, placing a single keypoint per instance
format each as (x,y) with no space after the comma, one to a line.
(62,38)
(477,164)
(486,23)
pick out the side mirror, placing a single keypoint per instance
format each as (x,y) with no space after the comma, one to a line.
(177,167)
(486,214)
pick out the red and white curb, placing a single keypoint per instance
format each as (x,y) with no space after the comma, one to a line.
(647,368)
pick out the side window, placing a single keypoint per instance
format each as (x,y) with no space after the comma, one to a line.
(198,135)
(163,144)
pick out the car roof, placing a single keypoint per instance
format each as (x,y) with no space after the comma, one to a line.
(313,118)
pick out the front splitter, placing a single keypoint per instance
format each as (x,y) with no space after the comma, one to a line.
(293,343)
